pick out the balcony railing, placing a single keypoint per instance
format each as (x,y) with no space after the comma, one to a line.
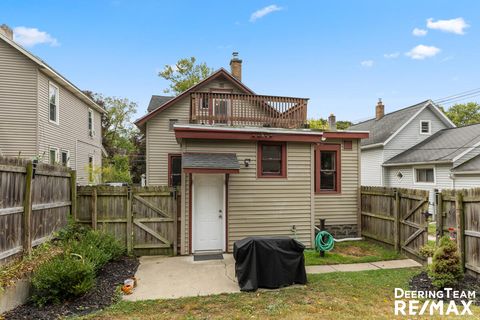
(248,110)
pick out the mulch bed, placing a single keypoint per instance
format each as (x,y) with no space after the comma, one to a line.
(102,295)
(422,282)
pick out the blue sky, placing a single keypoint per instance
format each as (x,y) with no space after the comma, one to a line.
(343,55)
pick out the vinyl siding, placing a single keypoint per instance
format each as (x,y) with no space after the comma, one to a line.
(371,164)
(442,177)
(341,208)
(410,135)
(72,131)
(18,103)
(467,181)
(263,206)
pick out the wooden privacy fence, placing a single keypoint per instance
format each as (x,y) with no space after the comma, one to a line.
(460,210)
(35,201)
(395,217)
(145,219)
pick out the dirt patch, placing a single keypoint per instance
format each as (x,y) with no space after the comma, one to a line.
(102,295)
(422,282)
(354,251)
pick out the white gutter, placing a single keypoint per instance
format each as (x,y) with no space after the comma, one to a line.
(371,146)
(416,163)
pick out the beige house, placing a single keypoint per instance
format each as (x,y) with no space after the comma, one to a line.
(247,165)
(43,115)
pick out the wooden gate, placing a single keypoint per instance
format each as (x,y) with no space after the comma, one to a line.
(143,218)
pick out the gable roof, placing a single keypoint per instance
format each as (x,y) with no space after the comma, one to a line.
(45,68)
(472,165)
(384,129)
(157,102)
(444,146)
(217,74)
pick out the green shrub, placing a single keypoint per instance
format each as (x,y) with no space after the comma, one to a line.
(62,278)
(72,231)
(97,247)
(446,269)
(427,250)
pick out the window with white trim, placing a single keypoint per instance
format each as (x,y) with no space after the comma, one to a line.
(91,129)
(53,156)
(90,168)
(424,175)
(65,158)
(425,127)
(53,103)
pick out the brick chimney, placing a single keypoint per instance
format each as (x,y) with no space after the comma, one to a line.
(379,110)
(6,31)
(236,66)
(332,122)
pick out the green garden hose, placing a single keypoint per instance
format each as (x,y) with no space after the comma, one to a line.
(322,245)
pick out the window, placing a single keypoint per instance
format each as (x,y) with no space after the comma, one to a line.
(91,130)
(53,156)
(424,175)
(90,169)
(327,169)
(174,170)
(65,158)
(171,123)
(272,160)
(425,126)
(399,175)
(53,103)
(204,102)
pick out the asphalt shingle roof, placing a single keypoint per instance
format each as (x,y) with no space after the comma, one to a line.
(444,145)
(471,165)
(158,101)
(210,161)
(381,130)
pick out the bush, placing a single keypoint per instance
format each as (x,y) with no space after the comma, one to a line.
(446,269)
(63,277)
(97,247)
(427,250)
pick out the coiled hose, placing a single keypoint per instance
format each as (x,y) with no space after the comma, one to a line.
(321,244)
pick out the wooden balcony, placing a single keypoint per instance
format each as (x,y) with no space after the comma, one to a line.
(248,110)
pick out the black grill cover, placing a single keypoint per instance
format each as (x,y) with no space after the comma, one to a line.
(269,262)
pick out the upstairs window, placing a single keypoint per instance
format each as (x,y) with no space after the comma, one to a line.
(91,129)
(425,127)
(272,160)
(53,102)
(424,175)
(174,170)
(327,169)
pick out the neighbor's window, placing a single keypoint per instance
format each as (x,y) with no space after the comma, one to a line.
(327,169)
(425,126)
(53,103)
(90,169)
(53,156)
(272,160)
(91,131)
(424,175)
(174,170)
(65,158)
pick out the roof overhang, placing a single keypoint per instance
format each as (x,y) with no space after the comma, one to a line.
(372,146)
(193,162)
(417,163)
(46,69)
(263,134)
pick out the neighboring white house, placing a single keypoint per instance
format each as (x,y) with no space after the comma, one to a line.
(43,115)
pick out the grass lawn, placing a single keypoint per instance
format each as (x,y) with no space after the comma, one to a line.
(432,228)
(352,252)
(348,295)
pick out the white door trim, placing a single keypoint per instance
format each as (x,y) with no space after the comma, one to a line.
(224,225)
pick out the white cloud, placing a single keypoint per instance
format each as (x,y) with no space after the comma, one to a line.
(30,37)
(367,63)
(392,55)
(264,11)
(421,52)
(419,32)
(456,26)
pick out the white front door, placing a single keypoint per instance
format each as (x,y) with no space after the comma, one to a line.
(208,194)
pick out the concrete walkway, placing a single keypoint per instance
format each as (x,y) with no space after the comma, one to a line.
(162,277)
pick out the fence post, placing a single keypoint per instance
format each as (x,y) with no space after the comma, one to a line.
(129,221)
(460,221)
(396,222)
(439,216)
(73,194)
(27,210)
(94,208)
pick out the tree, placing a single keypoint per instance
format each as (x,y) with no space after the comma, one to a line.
(446,269)
(322,124)
(464,114)
(184,74)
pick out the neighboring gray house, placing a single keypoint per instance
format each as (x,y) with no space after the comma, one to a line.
(44,115)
